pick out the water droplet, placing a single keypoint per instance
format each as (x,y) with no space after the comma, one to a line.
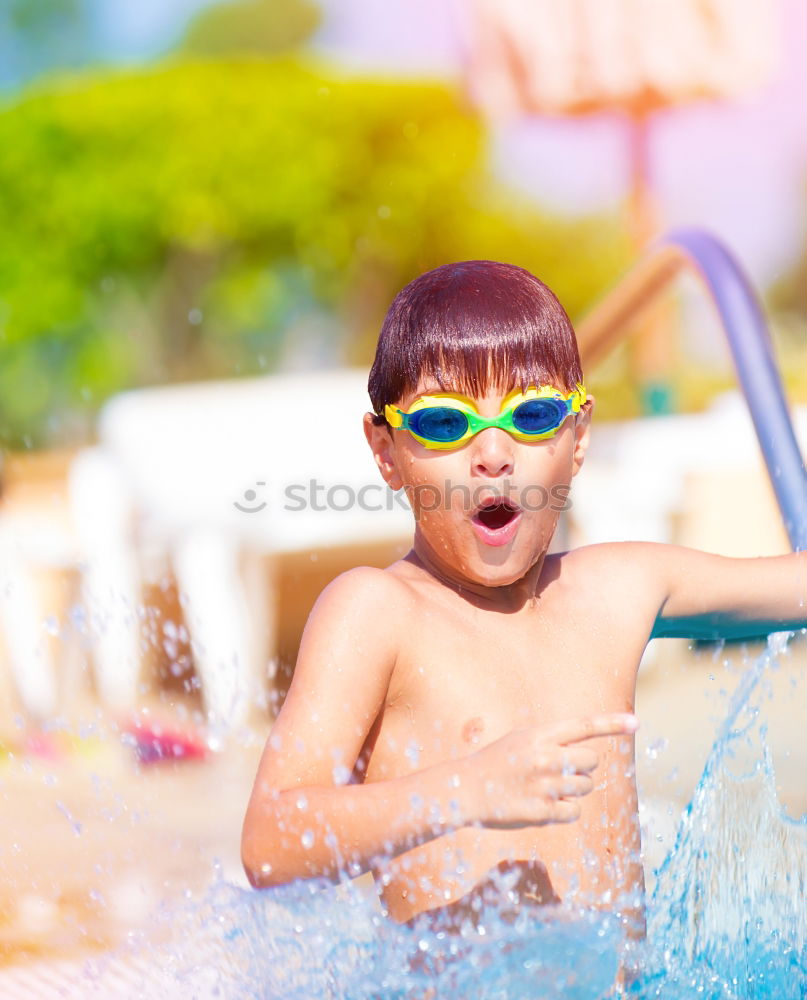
(302,802)
(655,748)
(74,823)
(307,839)
(341,774)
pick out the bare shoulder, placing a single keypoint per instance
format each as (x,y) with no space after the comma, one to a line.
(347,654)
(364,590)
(615,557)
(646,561)
(363,603)
(614,571)
(348,649)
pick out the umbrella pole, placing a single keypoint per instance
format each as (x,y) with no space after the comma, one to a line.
(652,353)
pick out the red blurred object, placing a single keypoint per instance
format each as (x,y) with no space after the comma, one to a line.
(155,741)
(43,746)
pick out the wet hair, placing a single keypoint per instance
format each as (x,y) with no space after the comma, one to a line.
(473,326)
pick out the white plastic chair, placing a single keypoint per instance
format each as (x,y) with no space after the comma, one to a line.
(201,474)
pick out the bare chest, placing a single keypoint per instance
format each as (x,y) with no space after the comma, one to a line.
(463,681)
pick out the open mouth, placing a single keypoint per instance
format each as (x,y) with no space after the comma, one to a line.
(496,513)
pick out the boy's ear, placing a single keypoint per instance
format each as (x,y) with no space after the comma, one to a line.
(379,438)
(582,434)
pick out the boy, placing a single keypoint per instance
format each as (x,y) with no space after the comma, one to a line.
(462,719)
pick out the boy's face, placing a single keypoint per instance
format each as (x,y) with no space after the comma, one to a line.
(463,525)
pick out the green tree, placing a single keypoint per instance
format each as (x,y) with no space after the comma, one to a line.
(189,220)
(262,26)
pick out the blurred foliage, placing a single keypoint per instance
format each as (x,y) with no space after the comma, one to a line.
(788,295)
(39,34)
(33,18)
(263,26)
(694,383)
(786,302)
(206,219)
(789,333)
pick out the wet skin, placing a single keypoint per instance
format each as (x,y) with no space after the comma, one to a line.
(460,685)
(503,639)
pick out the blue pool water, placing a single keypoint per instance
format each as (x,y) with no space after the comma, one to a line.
(727,918)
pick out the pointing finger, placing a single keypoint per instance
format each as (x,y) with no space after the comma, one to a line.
(575,730)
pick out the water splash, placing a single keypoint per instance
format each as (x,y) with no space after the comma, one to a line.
(727,919)
(306,941)
(728,916)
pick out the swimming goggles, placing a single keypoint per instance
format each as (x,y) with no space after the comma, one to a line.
(446,420)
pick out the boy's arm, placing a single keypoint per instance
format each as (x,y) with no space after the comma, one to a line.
(303,821)
(708,596)
(302,814)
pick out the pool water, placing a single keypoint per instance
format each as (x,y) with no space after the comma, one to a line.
(727,917)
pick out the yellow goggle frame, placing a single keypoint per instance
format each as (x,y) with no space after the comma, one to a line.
(446,420)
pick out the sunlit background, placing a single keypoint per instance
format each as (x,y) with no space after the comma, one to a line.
(221,200)
(195,191)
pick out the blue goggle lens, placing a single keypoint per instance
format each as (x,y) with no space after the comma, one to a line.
(537,416)
(439,423)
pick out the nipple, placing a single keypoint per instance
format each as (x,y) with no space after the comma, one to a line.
(473,729)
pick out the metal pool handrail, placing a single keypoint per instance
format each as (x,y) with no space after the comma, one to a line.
(749,340)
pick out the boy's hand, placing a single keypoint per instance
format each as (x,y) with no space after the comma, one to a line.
(535,776)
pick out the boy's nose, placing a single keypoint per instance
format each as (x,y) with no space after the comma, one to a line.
(493,452)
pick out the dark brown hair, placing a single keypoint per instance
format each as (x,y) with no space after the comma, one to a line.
(472,326)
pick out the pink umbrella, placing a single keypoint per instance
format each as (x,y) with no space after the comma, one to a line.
(577,57)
